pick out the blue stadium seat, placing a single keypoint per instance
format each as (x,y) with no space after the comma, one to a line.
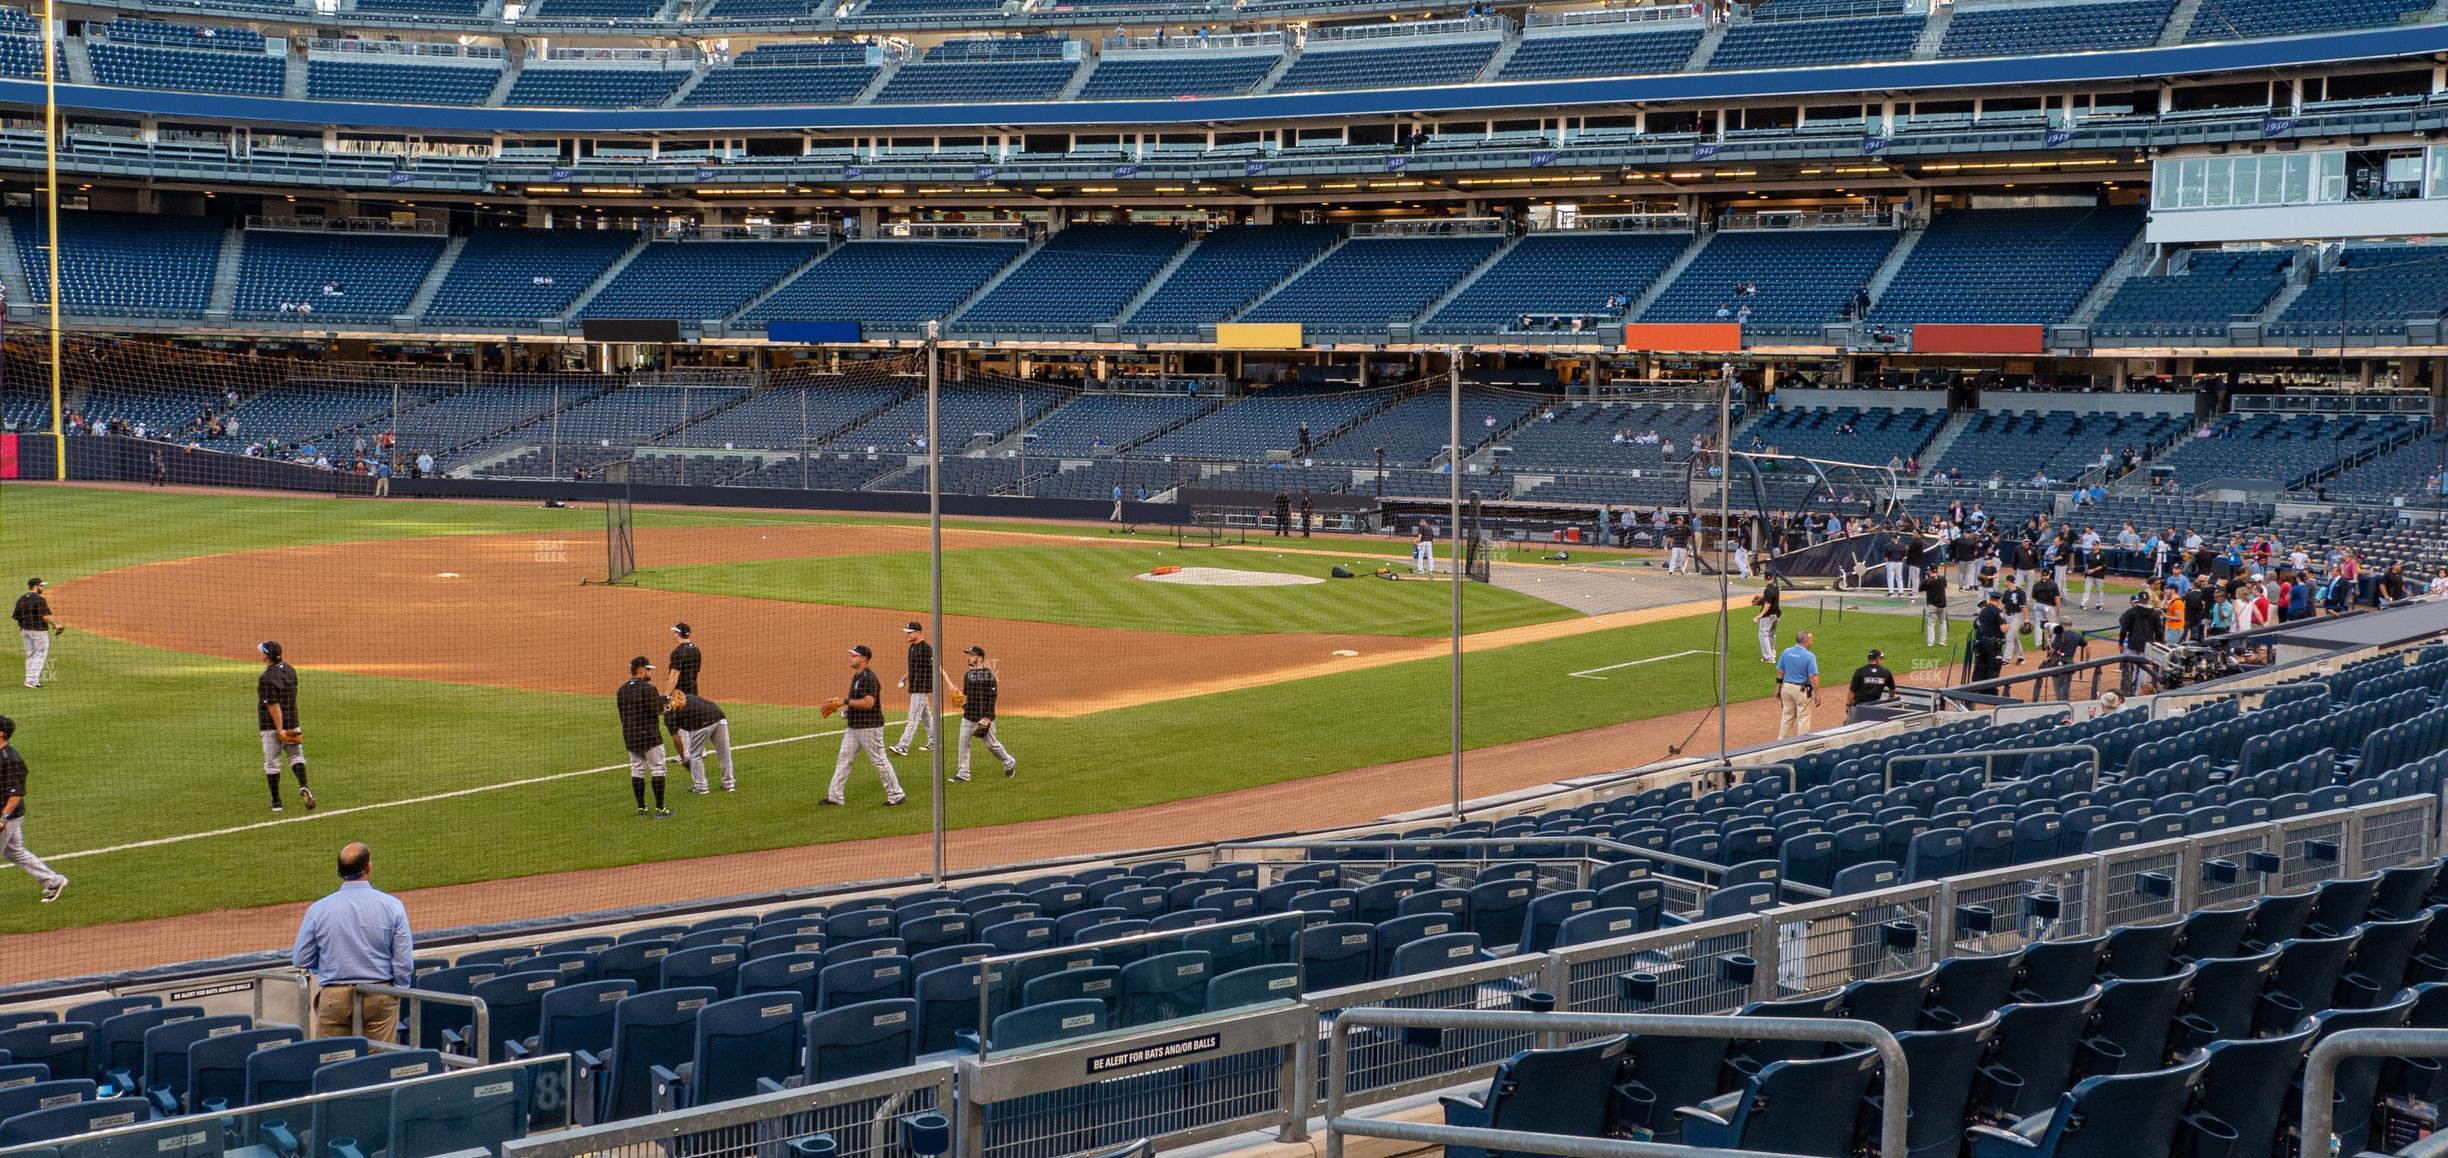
(713,966)
(573,1016)
(783,973)
(71,1120)
(164,1050)
(2135,1017)
(863,979)
(2133,1115)
(740,1046)
(1163,987)
(859,1039)
(2038,1042)
(648,1030)
(955,997)
(1789,1107)
(365,1116)
(1337,955)
(68,1048)
(1943,1064)
(466,1111)
(217,1067)
(1563,1091)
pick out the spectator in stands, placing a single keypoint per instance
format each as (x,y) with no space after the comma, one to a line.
(2393,586)
(382,480)
(1859,306)
(1303,437)
(424,464)
(331,289)
(355,936)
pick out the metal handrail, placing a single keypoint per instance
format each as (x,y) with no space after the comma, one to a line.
(656,1130)
(1897,1094)
(2320,1075)
(480,1022)
(304,983)
(1629,850)
(1988,759)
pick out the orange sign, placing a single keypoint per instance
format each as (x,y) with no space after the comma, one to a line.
(1684,337)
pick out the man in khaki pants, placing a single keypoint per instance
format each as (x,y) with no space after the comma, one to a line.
(1797,687)
(356,935)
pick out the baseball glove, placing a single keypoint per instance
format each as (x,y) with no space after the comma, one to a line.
(292,736)
(831,706)
(959,700)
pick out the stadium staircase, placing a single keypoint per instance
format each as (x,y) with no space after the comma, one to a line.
(1267,83)
(883,77)
(1455,290)
(12,265)
(578,304)
(2179,22)
(2299,279)
(2128,265)
(1156,282)
(432,284)
(79,61)
(2439,11)
(776,287)
(1708,47)
(511,68)
(681,93)
(293,77)
(1885,274)
(1674,269)
(975,296)
(1079,78)
(1933,33)
(1953,429)
(1496,63)
(225,276)
(1286,280)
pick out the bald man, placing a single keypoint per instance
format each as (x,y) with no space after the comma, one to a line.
(357,935)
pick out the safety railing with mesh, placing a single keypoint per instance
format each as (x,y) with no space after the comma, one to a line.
(1828,944)
(862,1115)
(2004,909)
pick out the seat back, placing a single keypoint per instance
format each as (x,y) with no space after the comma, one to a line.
(715,967)
(864,979)
(2214,933)
(1429,954)
(1942,1064)
(2037,1041)
(279,1072)
(866,1038)
(1163,987)
(2358,1078)
(952,998)
(365,1116)
(639,963)
(466,1111)
(2135,1015)
(2340,905)
(2128,1115)
(67,1047)
(2226,994)
(1804,1106)
(1334,956)
(217,1066)
(1892,1002)
(103,1009)
(1558,1091)
(1051,1022)
(580,1016)
(1401,931)
(1597,925)
(2059,970)
(2248,1085)
(649,1030)
(2308,972)
(165,1048)
(72,1119)
(514,1005)
(1547,915)
(41,1095)
(1963,990)
(741,1040)
(2382,953)
(1254,985)
(783,973)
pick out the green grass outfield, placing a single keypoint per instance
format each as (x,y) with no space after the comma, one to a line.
(138,744)
(1098,587)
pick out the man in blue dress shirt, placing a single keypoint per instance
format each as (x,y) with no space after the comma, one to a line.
(1797,687)
(356,935)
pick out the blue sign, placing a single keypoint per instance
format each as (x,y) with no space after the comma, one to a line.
(1126,170)
(987,172)
(1253,168)
(1873,146)
(1704,152)
(563,173)
(2277,126)
(1542,159)
(1395,163)
(852,172)
(402,178)
(2056,137)
(704,174)
(813,333)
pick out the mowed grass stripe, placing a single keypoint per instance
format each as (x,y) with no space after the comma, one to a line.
(1098,587)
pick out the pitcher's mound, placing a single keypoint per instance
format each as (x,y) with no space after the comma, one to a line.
(1227,577)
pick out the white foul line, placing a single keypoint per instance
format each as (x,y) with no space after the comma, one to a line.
(1592,673)
(331,812)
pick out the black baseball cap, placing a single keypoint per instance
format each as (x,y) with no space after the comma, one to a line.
(860,650)
(34,583)
(639,661)
(2139,597)
(911,628)
(271,648)
(975,650)
(8,727)
(680,629)
(1877,654)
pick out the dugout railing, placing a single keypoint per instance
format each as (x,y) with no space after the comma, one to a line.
(1209,1075)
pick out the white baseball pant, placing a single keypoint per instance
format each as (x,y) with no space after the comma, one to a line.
(2014,637)
(982,731)
(1678,560)
(1933,626)
(273,750)
(921,708)
(1895,578)
(13,849)
(646,763)
(1767,637)
(1423,558)
(693,744)
(37,652)
(871,742)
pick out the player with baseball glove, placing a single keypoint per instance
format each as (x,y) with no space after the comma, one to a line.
(277,721)
(976,699)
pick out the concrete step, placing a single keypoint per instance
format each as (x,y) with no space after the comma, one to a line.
(432,284)
(603,279)
(1674,269)
(2128,265)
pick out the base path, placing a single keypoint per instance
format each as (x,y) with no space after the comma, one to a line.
(1342,798)
(509,611)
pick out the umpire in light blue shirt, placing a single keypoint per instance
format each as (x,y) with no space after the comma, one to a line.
(1797,687)
(357,935)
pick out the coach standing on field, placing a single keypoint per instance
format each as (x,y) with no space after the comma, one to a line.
(685,661)
(12,816)
(641,709)
(356,935)
(33,615)
(862,730)
(276,721)
(921,684)
(1797,687)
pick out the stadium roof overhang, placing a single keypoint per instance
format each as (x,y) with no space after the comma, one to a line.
(2133,66)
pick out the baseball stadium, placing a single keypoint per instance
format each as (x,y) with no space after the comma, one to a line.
(1598,578)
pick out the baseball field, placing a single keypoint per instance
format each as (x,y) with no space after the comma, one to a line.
(457,678)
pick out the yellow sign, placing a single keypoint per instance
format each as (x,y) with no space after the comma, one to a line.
(1259,335)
